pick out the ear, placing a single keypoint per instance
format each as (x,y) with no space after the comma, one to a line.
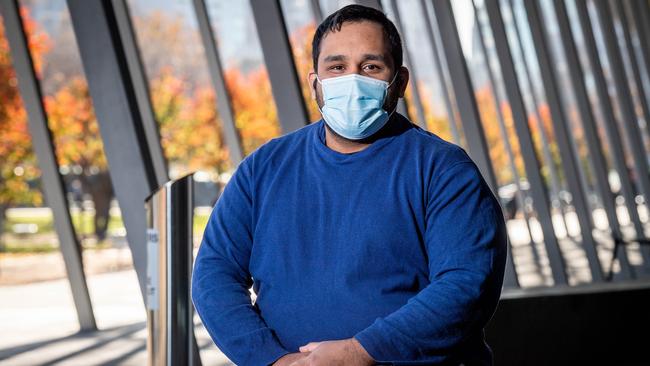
(403,80)
(311,79)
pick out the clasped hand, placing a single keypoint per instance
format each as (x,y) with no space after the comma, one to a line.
(347,352)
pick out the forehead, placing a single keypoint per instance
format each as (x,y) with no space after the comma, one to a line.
(355,39)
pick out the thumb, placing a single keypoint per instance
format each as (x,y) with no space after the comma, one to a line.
(309,347)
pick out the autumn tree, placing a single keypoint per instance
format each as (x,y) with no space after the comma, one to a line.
(18,166)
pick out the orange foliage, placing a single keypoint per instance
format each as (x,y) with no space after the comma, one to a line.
(74,126)
(18,168)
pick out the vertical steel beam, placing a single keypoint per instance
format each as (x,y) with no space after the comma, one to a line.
(464,91)
(538,188)
(52,182)
(589,123)
(556,186)
(316,11)
(609,121)
(446,96)
(510,279)
(630,123)
(417,101)
(140,87)
(120,122)
(278,58)
(587,117)
(626,22)
(641,12)
(231,134)
(562,135)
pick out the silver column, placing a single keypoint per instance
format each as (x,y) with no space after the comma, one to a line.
(170,338)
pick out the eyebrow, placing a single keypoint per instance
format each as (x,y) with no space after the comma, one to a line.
(366,57)
(374,57)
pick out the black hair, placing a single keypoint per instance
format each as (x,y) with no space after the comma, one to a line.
(358,13)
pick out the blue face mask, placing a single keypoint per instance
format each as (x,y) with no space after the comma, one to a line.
(353,105)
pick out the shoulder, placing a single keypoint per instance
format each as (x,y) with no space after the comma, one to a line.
(279,148)
(437,153)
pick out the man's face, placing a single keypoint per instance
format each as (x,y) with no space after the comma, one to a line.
(358,48)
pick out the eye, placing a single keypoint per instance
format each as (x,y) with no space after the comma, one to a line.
(335,68)
(371,67)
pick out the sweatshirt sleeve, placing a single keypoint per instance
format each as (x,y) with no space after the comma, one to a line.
(221,279)
(465,240)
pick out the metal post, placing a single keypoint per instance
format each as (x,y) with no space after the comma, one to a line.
(538,188)
(140,87)
(231,135)
(562,134)
(556,186)
(52,183)
(417,101)
(640,10)
(626,22)
(630,123)
(316,11)
(609,121)
(464,92)
(279,62)
(132,170)
(588,121)
(510,279)
(170,312)
(428,22)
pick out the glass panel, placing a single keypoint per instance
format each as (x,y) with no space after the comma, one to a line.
(245,73)
(301,25)
(25,224)
(415,37)
(78,144)
(183,99)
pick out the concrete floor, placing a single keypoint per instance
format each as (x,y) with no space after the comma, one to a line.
(38,325)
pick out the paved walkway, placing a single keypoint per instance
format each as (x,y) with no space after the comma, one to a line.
(38,325)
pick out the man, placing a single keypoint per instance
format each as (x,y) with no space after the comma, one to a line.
(365,239)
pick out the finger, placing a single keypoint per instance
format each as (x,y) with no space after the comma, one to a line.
(309,347)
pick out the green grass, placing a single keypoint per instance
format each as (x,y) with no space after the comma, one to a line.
(83,224)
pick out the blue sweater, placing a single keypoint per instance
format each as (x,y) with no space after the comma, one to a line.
(401,245)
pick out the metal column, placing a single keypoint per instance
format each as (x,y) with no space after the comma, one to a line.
(464,92)
(231,134)
(630,123)
(510,279)
(556,186)
(562,134)
(140,87)
(422,121)
(52,183)
(446,96)
(589,123)
(612,132)
(636,72)
(278,58)
(538,188)
(132,170)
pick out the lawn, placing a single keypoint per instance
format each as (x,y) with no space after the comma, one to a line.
(44,238)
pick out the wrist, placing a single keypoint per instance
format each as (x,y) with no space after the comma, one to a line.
(361,352)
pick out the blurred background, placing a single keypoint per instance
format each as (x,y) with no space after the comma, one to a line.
(101,102)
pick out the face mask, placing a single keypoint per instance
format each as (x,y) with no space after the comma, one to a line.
(353,105)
